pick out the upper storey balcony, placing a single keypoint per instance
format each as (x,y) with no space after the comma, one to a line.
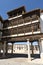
(28,23)
(25,29)
(16,12)
(13,17)
(25,19)
(19,22)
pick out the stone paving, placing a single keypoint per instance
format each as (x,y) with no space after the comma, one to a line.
(20,61)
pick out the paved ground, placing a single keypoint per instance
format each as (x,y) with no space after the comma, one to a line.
(20,61)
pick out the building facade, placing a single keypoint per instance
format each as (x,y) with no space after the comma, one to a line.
(22,26)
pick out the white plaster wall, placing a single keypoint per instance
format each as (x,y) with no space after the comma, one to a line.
(41,22)
(41,45)
(41,48)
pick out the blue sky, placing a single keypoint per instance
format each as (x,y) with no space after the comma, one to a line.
(34,43)
(6,5)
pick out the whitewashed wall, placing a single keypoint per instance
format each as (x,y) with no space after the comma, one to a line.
(41,22)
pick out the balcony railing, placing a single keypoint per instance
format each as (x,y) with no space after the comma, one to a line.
(36,27)
(19,20)
(15,17)
(9,32)
(22,34)
(36,32)
(28,23)
(21,29)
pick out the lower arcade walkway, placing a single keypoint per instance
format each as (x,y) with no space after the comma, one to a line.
(28,50)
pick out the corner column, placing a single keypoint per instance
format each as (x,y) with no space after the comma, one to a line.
(28,43)
(41,48)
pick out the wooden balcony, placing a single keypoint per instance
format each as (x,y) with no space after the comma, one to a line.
(36,27)
(10,23)
(9,32)
(13,22)
(30,19)
(20,21)
(20,30)
(18,11)
(27,19)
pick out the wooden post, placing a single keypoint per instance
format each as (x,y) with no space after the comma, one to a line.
(4,48)
(32,48)
(12,47)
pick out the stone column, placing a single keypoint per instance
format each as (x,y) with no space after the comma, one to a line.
(41,47)
(28,48)
(4,48)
